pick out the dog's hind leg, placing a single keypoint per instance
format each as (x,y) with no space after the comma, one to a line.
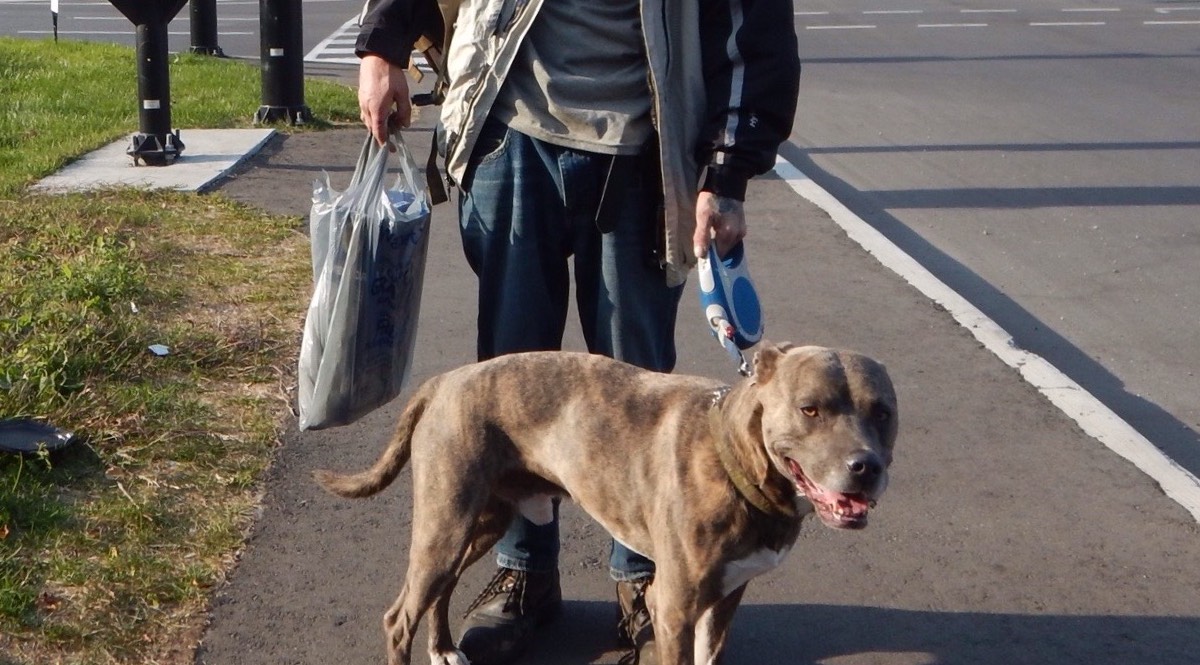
(489,528)
(435,557)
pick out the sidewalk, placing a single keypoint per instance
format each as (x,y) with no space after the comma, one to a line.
(1006,536)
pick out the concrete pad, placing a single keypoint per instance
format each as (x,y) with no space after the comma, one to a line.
(208,155)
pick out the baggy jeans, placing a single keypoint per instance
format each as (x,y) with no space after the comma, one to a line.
(526,209)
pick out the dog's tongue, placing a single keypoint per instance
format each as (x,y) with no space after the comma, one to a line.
(834,508)
(837,509)
(853,504)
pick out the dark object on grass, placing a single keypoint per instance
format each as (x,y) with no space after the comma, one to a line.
(24,435)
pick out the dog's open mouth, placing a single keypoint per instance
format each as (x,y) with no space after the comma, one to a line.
(837,510)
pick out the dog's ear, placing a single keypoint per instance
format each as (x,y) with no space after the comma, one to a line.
(767,359)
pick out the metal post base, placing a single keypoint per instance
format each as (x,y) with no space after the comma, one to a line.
(214,51)
(153,150)
(293,115)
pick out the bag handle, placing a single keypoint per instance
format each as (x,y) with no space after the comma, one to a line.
(372,169)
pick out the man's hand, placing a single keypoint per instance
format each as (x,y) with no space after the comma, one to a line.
(382,86)
(720,219)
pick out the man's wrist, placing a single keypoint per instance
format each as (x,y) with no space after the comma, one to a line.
(371,43)
(725,181)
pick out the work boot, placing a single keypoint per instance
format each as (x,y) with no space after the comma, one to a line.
(501,621)
(634,630)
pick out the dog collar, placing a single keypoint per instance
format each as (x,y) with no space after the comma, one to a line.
(746,487)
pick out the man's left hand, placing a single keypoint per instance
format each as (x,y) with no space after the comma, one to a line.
(718,219)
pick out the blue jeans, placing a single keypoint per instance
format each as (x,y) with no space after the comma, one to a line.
(527,207)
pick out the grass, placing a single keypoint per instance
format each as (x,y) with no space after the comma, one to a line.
(110,548)
(58,101)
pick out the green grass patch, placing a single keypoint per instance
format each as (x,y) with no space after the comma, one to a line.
(58,101)
(110,548)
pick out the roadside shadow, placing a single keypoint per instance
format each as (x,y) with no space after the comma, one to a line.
(846,635)
(1171,435)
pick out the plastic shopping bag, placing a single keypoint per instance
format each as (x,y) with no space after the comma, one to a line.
(368,253)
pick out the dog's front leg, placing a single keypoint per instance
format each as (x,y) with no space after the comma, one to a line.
(673,611)
(713,628)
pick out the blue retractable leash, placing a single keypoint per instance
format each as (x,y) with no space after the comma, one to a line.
(730,302)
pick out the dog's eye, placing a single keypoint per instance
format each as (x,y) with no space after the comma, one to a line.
(881,414)
(810,411)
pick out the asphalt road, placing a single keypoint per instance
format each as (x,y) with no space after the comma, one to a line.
(1041,158)
(1006,535)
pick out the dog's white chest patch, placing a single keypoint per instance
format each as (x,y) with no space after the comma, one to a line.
(739,572)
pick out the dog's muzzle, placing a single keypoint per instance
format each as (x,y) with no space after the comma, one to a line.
(865,480)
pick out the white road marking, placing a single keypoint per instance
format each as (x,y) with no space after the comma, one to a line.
(1096,419)
(1064,24)
(1170,22)
(315,55)
(839,27)
(952,25)
(220,19)
(988,11)
(1082,10)
(111,32)
(894,11)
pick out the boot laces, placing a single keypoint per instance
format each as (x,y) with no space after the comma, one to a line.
(506,582)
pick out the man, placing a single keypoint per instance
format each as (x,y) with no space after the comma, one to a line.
(617,132)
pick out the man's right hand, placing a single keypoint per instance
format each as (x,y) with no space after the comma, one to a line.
(383,102)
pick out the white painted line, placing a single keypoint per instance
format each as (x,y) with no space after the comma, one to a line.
(839,27)
(315,53)
(1096,419)
(894,11)
(1065,24)
(1082,10)
(810,13)
(183,19)
(952,25)
(1170,22)
(988,11)
(129,32)
(1168,10)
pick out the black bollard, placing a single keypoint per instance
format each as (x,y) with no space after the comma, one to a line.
(155,144)
(204,28)
(281,50)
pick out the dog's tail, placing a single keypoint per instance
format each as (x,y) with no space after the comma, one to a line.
(389,464)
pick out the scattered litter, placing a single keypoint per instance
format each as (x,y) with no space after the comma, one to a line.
(133,307)
(159,349)
(24,435)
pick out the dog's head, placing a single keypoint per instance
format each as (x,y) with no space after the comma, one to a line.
(828,423)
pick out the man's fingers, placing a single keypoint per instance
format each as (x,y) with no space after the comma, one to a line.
(720,220)
(728,236)
(382,97)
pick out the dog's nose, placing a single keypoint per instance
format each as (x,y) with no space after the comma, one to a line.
(865,466)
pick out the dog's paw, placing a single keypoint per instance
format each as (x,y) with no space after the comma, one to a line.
(455,657)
